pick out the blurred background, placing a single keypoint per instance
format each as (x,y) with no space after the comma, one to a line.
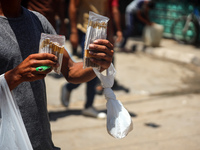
(159,85)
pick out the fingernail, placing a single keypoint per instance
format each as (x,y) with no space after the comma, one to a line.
(91,52)
(96,41)
(91,46)
(56,58)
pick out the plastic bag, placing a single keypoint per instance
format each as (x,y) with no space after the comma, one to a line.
(53,44)
(119,122)
(96,29)
(13,135)
(152,35)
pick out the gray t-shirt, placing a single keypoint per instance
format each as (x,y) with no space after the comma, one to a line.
(19,37)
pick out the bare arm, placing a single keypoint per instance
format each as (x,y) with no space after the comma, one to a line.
(145,21)
(117,20)
(75,73)
(73,10)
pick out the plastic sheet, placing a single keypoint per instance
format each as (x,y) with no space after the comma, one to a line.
(119,122)
(96,29)
(53,44)
(13,135)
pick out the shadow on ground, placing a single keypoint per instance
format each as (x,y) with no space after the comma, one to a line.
(54,115)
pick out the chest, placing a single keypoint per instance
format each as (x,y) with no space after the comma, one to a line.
(18,40)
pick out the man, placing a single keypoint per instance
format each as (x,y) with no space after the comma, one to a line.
(19,38)
(136,18)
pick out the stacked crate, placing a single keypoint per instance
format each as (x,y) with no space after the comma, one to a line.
(167,11)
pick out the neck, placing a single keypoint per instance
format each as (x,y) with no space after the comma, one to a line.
(10,8)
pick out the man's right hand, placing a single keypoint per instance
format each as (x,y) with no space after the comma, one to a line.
(74,39)
(26,71)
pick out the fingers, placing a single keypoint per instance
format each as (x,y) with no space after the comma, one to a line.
(102,63)
(102,46)
(26,70)
(43,56)
(104,42)
(42,59)
(46,61)
(36,63)
(102,53)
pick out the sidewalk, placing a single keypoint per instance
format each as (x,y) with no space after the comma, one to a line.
(161,122)
(170,49)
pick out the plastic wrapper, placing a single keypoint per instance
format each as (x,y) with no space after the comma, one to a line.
(13,135)
(53,44)
(119,122)
(96,29)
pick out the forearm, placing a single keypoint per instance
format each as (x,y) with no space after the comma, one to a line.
(142,19)
(11,79)
(77,74)
(73,15)
(74,72)
(116,16)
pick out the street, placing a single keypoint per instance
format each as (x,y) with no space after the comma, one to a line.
(162,97)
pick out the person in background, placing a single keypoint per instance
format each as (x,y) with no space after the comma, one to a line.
(137,16)
(19,37)
(114,29)
(122,8)
(53,10)
(114,25)
(78,14)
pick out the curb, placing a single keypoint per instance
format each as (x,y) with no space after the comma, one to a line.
(188,58)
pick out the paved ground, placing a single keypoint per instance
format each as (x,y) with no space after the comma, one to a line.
(160,93)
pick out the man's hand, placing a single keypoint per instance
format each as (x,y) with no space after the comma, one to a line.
(104,53)
(74,38)
(26,71)
(119,36)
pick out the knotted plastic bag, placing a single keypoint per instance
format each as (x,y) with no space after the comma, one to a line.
(13,135)
(119,122)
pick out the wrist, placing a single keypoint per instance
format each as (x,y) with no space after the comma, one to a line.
(74,32)
(12,79)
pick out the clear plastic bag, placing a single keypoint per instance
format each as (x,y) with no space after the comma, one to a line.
(119,122)
(53,44)
(96,29)
(13,135)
